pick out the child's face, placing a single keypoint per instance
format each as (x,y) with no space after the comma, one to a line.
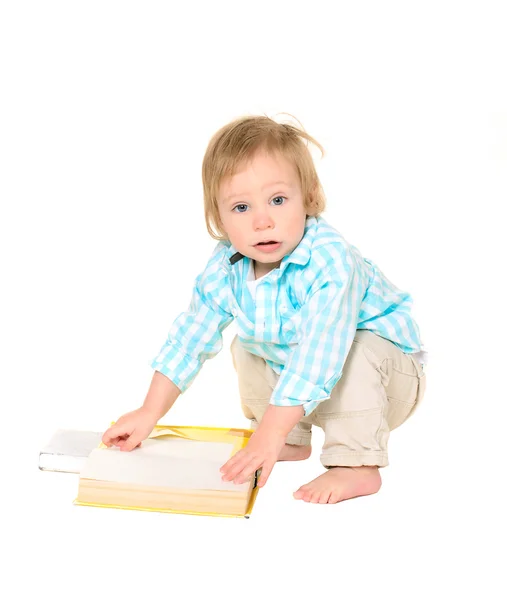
(263,202)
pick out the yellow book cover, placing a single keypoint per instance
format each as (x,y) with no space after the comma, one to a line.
(175,470)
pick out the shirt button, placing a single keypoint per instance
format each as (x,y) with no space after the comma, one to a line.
(283,309)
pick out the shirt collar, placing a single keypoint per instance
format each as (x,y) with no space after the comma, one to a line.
(300,255)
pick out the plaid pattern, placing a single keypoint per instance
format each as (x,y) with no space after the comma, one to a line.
(302,320)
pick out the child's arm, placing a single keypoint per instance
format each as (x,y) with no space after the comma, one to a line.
(278,421)
(161,395)
(134,427)
(195,336)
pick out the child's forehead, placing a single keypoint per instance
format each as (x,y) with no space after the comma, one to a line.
(273,159)
(262,167)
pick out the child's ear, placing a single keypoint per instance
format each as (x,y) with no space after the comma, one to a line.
(311,208)
(220,228)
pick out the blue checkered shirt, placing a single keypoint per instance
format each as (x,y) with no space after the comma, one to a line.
(302,320)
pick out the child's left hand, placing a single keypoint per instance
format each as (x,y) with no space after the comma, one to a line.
(261,451)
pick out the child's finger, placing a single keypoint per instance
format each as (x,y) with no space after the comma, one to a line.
(231,472)
(240,469)
(113,433)
(231,462)
(234,466)
(247,470)
(132,442)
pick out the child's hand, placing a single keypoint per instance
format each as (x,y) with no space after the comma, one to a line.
(130,430)
(261,451)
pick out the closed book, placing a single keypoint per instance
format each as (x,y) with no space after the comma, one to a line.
(67,450)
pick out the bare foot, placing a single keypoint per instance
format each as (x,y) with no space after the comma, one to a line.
(291,452)
(340,483)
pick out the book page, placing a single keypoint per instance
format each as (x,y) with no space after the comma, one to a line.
(168,462)
(179,447)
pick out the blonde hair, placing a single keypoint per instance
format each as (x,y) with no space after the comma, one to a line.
(237,142)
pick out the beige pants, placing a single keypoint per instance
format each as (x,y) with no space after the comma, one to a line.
(379,389)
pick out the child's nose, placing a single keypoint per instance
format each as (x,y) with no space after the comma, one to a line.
(262,220)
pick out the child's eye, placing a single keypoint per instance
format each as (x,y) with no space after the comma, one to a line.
(241,206)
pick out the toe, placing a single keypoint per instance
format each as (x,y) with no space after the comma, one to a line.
(324,497)
(300,493)
(307,496)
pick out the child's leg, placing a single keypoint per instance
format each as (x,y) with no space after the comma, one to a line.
(256,382)
(379,389)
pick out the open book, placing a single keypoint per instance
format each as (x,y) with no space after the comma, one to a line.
(177,469)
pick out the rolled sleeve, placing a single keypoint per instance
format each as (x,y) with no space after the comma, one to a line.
(293,390)
(174,363)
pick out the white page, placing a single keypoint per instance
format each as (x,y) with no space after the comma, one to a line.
(182,448)
(168,462)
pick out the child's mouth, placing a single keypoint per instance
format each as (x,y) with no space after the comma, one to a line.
(268,246)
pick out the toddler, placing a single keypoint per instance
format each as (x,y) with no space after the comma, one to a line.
(324,338)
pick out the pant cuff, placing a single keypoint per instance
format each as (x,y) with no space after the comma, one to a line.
(299,440)
(295,439)
(368,459)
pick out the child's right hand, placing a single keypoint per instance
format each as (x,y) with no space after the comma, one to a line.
(130,430)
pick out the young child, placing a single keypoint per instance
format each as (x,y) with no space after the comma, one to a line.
(324,337)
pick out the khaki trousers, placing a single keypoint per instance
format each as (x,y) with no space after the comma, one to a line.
(379,389)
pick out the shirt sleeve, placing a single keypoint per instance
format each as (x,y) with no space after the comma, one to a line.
(327,326)
(196,335)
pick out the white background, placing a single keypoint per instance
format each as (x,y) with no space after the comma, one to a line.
(106,110)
